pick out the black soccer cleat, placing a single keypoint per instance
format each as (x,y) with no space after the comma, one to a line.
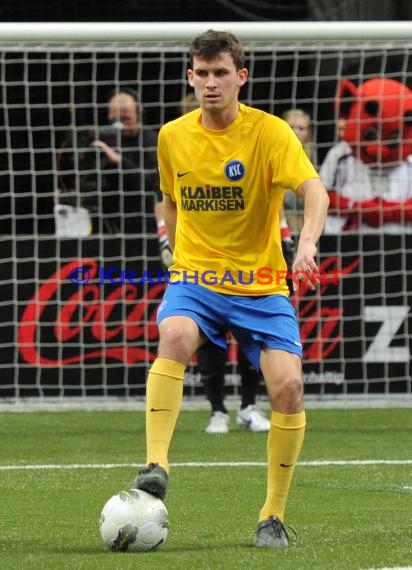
(153,479)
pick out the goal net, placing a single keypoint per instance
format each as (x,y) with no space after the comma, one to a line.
(79,296)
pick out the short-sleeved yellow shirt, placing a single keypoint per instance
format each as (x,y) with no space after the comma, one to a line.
(228,186)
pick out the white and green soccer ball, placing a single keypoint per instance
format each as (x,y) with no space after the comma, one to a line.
(134,521)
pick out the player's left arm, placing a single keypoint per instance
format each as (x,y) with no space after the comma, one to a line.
(316,202)
(288,246)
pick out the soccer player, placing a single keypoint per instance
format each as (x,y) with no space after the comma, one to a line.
(224,169)
(211,360)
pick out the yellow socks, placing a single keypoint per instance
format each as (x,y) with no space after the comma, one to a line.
(285,441)
(164,392)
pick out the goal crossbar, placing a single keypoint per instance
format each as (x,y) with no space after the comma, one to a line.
(181,31)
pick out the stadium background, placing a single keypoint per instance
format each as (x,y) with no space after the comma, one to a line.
(140,11)
(334,326)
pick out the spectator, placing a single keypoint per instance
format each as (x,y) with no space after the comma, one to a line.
(211,363)
(109,173)
(301,124)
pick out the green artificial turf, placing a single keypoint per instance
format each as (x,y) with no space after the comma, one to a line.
(347,516)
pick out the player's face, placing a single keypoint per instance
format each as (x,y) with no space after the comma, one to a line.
(216,82)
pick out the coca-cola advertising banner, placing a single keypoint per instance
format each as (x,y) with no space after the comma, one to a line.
(77,317)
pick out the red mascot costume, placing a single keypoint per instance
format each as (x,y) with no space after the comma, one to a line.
(369,173)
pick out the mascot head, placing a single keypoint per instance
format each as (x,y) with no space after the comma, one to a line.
(378,120)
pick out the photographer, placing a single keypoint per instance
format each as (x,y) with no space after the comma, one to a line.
(108,174)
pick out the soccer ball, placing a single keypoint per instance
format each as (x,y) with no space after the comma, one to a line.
(134,521)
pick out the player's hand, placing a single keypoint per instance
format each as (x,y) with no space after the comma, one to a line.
(166,256)
(305,269)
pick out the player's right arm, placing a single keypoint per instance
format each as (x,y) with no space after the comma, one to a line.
(166,211)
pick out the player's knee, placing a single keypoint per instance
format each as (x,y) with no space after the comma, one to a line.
(294,383)
(177,337)
(291,385)
(173,335)
(287,395)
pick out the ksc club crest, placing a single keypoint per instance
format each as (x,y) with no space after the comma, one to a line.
(235,170)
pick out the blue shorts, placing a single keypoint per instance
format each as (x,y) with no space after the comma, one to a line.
(255,322)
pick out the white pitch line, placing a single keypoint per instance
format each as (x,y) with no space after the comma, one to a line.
(393,568)
(320,463)
(356,462)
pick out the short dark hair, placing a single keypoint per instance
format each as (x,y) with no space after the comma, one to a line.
(128,91)
(211,43)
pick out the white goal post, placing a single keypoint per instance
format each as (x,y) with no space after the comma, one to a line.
(132,32)
(77,314)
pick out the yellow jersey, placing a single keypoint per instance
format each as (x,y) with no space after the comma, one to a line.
(228,186)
